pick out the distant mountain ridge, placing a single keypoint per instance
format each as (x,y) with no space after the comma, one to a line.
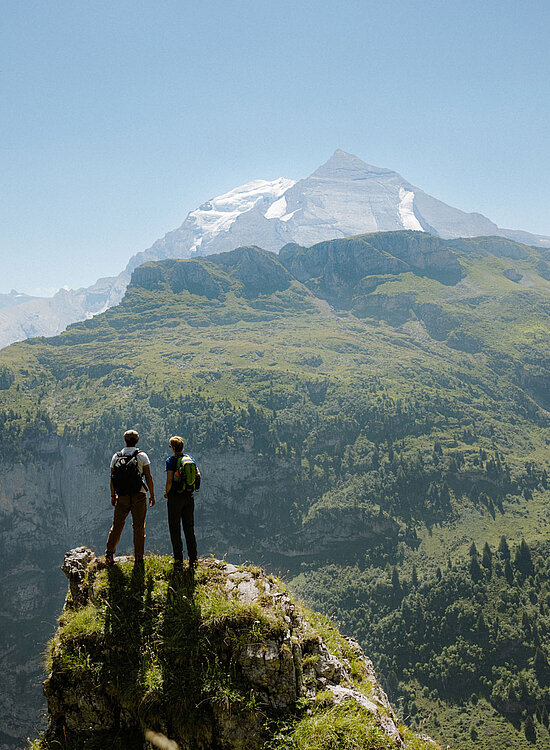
(343,197)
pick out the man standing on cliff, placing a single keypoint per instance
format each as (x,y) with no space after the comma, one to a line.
(130,479)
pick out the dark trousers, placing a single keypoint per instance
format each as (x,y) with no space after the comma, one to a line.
(181,508)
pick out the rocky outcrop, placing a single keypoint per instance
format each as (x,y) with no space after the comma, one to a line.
(262,663)
(339,271)
(512,275)
(248,272)
(76,566)
(177,276)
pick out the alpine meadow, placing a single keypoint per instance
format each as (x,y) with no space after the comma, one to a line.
(372,418)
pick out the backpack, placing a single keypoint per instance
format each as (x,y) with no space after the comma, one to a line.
(125,473)
(186,478)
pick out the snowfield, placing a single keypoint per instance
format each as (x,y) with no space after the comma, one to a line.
(406,210)
(219,214)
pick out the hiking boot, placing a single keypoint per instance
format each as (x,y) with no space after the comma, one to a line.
(109,558)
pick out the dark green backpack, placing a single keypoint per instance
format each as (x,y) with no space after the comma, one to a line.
(186,478)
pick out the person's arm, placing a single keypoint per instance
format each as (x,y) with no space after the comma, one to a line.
(113,491)
(150,484)
(169,480)
(198,482)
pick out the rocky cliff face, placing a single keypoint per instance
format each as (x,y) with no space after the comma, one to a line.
(215,657)
(44,497)
(336,271)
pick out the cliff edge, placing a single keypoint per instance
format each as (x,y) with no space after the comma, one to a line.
(216,658)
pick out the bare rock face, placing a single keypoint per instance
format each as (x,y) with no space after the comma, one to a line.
(271,670)
(278,663)
(76,565)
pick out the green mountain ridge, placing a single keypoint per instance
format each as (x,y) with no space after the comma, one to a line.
(373,401)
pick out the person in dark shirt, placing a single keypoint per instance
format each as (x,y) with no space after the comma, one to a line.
(181,502)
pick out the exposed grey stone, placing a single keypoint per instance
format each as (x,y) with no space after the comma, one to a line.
(248,591)
(75,566)
(342,694)
(270,668)
(328,666)
(426,738)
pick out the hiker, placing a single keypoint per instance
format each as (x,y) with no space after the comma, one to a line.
(130,479)
(182,478)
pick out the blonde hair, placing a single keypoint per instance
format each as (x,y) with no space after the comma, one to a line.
(131,438)
(176,442)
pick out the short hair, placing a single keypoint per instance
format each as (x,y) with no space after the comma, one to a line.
(176,442)
(131,438)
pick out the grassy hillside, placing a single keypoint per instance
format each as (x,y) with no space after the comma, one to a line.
(393,387)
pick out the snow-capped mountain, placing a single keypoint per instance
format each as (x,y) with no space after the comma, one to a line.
(345,196)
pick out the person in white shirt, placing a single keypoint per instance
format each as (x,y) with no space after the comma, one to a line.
(130,479)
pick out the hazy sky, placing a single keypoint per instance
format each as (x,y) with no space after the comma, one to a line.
(119,117)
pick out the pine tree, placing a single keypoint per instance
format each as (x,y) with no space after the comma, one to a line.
(508,572)
(473,550)
(503,548)
(522,559)
(540,662)
(414,576)
(529,730)
(523,689)
(482,629)
(395,582)
(475,570)
(487,558)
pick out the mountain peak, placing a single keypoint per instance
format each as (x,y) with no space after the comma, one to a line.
(342,164)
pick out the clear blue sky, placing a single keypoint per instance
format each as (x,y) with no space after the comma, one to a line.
(119,117)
